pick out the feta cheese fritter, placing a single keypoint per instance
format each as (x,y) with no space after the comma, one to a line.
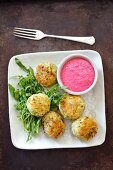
(72,107)
(84,128)
(53,124)
(38,104)
(46,74)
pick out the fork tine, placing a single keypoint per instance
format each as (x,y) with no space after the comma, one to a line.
(27,32)
(23,34)
(24,37)
(25,29)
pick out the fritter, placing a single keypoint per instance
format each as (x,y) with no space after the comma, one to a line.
(72,107)
(53,124)
(84,128)
(46,74)
(38,104)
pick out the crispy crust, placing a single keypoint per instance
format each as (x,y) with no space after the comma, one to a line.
(84,128)
(46,74)
(53,124)
(88,128)
(71,107)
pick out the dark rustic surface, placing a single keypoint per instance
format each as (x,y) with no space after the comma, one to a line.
(80,18)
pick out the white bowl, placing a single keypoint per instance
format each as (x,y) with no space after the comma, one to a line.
(67,59)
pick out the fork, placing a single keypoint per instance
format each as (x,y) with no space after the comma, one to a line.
(38,35)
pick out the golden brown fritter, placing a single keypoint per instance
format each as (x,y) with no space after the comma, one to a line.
(46,74)
(71,107)
(85,127)
(53,124)
(38,104)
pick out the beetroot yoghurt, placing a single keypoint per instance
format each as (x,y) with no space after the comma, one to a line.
(77,74)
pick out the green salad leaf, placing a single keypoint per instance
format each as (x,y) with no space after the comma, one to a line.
(18,62)
(55,93)
(28,85)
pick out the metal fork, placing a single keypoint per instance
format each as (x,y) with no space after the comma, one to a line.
(38,35)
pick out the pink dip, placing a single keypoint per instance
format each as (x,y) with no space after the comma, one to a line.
(77,74)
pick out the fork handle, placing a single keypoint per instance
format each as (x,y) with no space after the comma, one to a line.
(87,40)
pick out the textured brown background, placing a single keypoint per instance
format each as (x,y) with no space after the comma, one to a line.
(81,18)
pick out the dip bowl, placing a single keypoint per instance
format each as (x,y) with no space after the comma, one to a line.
(62,65)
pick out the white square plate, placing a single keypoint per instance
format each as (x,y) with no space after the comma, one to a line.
(95,100)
